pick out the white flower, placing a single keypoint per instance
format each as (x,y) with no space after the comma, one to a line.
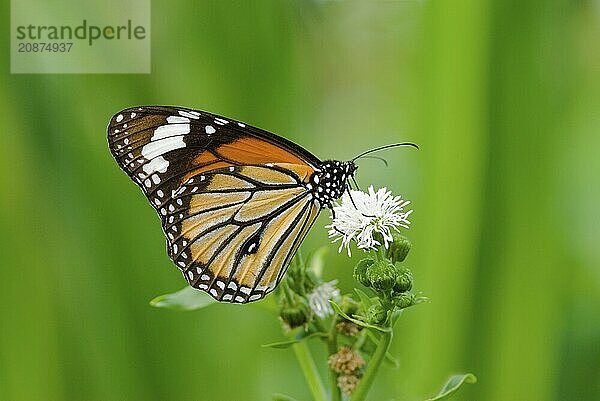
(318,299)
(361,215)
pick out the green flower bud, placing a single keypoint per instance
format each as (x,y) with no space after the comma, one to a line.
(404,300)
(360,271)
(348,305)
(399,247)
(404,279)
(293,316)
(376,314)
(382,275)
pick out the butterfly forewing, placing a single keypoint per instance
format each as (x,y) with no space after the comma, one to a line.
(233,199)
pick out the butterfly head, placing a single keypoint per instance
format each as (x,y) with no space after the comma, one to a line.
(330,182)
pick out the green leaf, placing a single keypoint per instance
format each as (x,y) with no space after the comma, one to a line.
(184,300)
(453,384)
(339,311)
(317,260)
(282,397)
(364,298)
(289,343)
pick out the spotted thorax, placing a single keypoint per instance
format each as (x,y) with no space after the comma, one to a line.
(331,181)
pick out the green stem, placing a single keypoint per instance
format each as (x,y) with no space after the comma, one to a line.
(332,348)
(366,381)
(310,371)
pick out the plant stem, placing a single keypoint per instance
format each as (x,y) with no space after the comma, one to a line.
(367,380)
(332,348)
(310,371)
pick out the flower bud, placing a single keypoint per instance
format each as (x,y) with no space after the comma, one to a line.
(345,361)
(293,316)
(348,305)
(404,279)
(360,271)
(404,300)
(347,383)
(376,314)
(382,275)
(348,328)
(398,248)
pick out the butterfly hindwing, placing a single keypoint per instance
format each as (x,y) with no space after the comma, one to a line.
(235,231)
(232,198)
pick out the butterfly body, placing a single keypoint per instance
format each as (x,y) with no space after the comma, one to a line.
(235,201)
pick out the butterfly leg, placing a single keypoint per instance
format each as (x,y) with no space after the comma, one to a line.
(354,204)
(330,206)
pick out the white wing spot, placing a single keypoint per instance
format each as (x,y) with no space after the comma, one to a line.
(205,277)
(119,118)
(158,164)
(162,146)
(241,125)
(255,297)
(133,114)
(213,292)
(190,114)
(220,284)
(177,119)
(210,129)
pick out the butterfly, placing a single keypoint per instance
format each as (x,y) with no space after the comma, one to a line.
(235,201)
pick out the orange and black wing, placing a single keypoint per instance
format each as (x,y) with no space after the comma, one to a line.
(233,199)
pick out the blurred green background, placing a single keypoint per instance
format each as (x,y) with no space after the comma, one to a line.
(502,96)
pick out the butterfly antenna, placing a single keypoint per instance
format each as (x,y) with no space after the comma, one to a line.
(355,183)
(378,158)
(393,145)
